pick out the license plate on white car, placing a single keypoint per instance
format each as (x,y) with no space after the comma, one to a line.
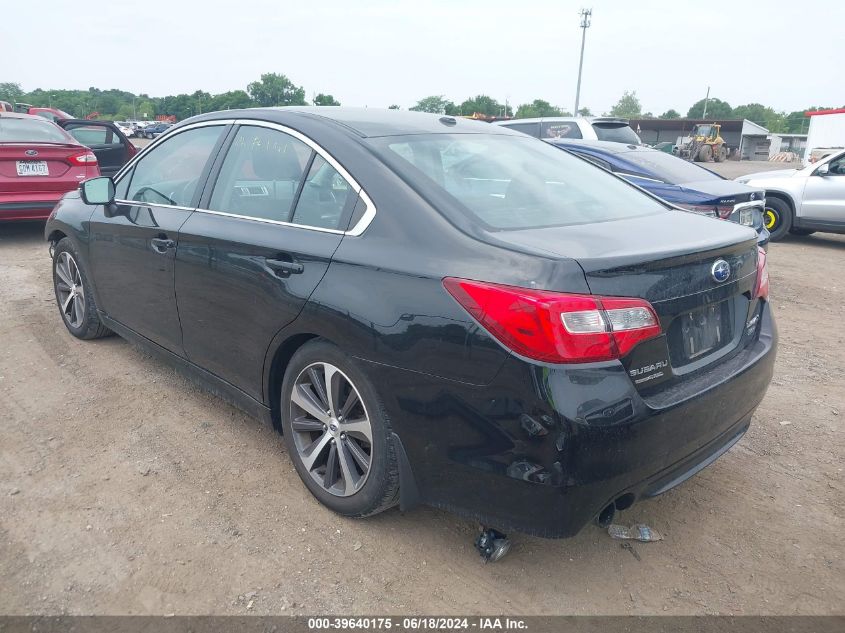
(32,168)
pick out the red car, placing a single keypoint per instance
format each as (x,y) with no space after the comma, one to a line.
(39,163)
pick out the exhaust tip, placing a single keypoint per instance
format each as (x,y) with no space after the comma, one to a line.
(605,517)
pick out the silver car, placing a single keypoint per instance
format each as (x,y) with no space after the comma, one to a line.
(803,201)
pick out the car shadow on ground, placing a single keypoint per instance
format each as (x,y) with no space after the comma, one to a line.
(21,232)
(819,240)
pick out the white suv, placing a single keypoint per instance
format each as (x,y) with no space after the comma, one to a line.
(590,128)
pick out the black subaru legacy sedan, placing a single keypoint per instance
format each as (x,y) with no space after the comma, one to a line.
(430,309)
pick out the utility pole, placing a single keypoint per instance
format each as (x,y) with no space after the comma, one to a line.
(706,99)
(586,15)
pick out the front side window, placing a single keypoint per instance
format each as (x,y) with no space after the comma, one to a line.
(261,174)
(511,182)
(836,167)
(170,173)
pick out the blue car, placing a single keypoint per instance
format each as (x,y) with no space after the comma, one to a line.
(677,181)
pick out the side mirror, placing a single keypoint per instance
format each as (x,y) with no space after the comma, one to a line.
(823,170)
(97,191)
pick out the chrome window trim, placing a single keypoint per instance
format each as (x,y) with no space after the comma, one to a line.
(355,231)
(370,209)
(141,203)
(308,227)
(128,166)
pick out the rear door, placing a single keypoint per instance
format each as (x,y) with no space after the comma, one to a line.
(109,145)
(251,256)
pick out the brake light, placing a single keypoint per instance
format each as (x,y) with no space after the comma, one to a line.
(555,327)
(724,210)
(82,159)
(700,209)
(761,288)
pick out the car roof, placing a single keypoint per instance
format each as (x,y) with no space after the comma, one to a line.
(608,147)
(20,115)
(553,119)
(365,122)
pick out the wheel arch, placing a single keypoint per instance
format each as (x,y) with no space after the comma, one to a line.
(275,372)
(782,195)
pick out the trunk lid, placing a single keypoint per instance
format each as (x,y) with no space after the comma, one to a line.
(669,260)
(61,174)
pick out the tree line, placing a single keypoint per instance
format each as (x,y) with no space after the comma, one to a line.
(273,89)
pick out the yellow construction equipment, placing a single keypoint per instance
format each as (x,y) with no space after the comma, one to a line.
(705,144)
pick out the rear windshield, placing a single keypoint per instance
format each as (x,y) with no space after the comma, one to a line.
(616,133)
(512,182)
(35,130)
(667,167)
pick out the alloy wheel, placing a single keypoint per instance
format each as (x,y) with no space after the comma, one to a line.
(70,290)
(331,429)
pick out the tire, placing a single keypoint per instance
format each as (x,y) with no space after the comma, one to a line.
(721,155)
(705,154)
(777,217)
(801,232)
(319,444)
(74,296)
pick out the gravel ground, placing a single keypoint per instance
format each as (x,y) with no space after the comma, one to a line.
(124,488)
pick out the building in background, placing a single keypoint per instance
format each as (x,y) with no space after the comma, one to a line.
(746,140)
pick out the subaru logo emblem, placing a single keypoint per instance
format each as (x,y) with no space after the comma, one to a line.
(31,152)
(720,271)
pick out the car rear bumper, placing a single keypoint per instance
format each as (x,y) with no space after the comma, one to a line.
(20,208)
(543,450)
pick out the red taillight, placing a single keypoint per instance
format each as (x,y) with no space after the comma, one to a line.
(724,210)
(761,289)
(700,209)
(82,159)
(555,327)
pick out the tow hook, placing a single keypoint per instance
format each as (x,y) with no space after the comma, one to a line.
(492,545)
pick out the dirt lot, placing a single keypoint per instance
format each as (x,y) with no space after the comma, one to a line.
(126,489)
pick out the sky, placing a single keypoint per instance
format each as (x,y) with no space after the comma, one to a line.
(784,54)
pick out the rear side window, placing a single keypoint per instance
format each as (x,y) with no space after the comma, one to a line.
(261,174)
(532,129)
(324,198)
(511,182)
(170,173)
(31,130)
(560,129)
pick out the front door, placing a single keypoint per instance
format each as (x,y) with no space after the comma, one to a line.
(247,263)
(136,240)
(824,196)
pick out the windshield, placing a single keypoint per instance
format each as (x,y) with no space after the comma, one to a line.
(31,130)
(668,168)
(511,182)
(616,133)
